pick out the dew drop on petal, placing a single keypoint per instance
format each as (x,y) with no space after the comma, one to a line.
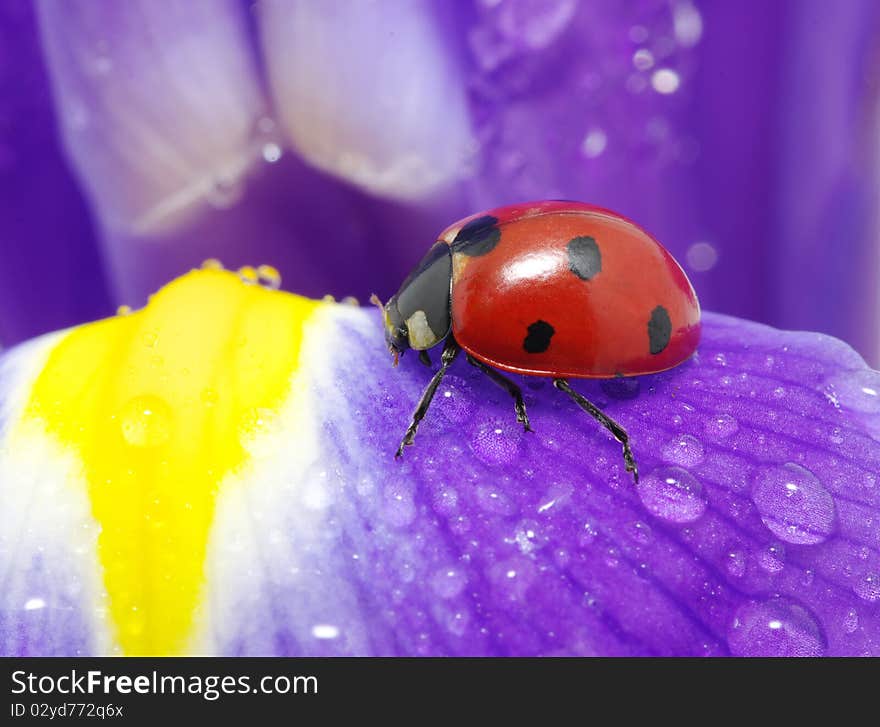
(665,81)
(594,143)
(455,400)
(269,276)
(641,532)
(775,628)
(529,536)
(772,558)
(674,494)
(850,621)
(325,631)
(736,563)
(495,444)
(512,577)
(398,509)
(857,390)
(145,421)
(685,450)
(721,426)
(793,504)
(448,582)
(868,588)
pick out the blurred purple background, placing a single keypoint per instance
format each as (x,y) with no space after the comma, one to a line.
(334,140)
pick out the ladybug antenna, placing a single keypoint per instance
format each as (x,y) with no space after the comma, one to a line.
(395,352)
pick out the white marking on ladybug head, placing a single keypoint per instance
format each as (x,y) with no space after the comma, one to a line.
(450,234)
(420,334)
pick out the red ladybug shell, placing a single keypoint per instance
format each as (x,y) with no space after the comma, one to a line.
(565,289)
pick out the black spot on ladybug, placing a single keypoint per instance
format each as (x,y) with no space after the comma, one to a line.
(584,258)
(659,329)
(477,237)
(538,338)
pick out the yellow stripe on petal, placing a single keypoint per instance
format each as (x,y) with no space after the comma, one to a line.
(157,405)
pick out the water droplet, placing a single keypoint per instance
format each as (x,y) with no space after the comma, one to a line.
(857,390)
(587,535)
(145,421)
(34,604)
(687,23)
(456,401)
(685,450)
(665,81)
(248,274)
(150,338)
(271,152)
(529,536)
(701,256)
(868,588)
(850,621)
(793,504)
(123,310)
(512,577)
(836,436)
(772,558)
(721,426)
(496,444)
(643,59)
(621,387)
(492,500)
(269,277)
(736,563)
(674,494)
(212,263)
(775,628)
(641,532)
(448,582)
(445,500)
(555,496)
(594,143)
(325,631)
(398,508)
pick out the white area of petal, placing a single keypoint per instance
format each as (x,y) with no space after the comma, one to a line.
(158,104)
(274,567)
(367,91)
(48,555)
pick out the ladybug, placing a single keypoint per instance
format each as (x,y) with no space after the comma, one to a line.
(558,289)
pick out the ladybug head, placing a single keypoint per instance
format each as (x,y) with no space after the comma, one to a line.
(418,316)
(396,332)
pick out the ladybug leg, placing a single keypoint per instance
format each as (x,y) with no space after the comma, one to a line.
(425,358)
(519,405)
(450,351)
(612,426)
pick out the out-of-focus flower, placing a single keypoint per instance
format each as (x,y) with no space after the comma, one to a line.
(742,134)
(215,474)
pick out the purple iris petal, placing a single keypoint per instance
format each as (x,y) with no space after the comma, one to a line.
(753,530)
(51,275)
